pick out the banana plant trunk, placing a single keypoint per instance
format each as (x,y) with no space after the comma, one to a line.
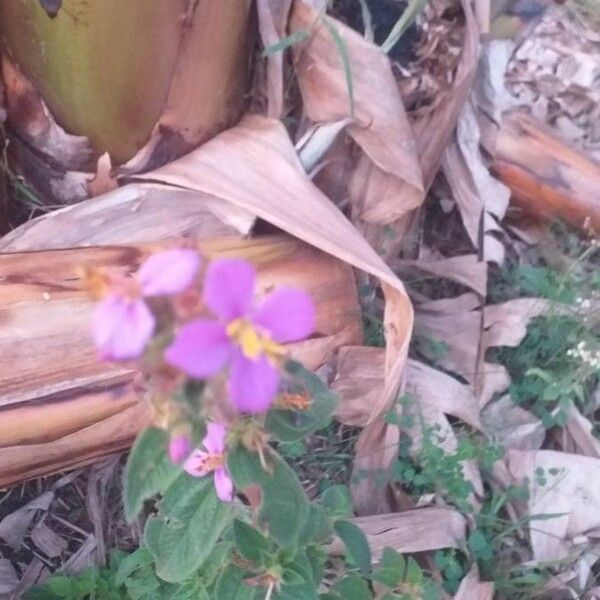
(142,81)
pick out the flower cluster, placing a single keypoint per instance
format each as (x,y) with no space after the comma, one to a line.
(589,357)
(233,337)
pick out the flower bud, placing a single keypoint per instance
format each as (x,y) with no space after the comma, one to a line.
(180,447)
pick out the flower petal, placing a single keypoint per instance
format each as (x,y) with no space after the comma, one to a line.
(252,383)
(179,448)
(214,441)
(223,485)
(229,288)
(168,272)
(121,327)
(195,464)
(288,314)
(200,349)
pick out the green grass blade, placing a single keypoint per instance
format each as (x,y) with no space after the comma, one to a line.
(343,50)
(403,23)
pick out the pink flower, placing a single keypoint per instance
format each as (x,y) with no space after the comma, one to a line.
(122,323)
(247,338)
(202,462)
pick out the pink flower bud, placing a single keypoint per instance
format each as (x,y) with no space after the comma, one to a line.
(179,448)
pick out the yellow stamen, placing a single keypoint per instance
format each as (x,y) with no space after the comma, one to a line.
(295,401)
(252,341)
(211,462)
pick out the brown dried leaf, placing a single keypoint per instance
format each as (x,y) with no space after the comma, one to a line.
(272,20)
(433,131)
(104,181)
(14,526)
(412,531)
(580,429)
(48,541)
(84,557)
(467,270)
(380,125)
(8,578)
(131,214)
(513,426)
(445,393)
(459,330)
(480,198)
(359,380)
(571,491)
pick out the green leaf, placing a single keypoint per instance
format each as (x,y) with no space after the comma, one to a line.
(250,543)
(356,544)
(188,525)
(190,590)
(395,561)
(215,563)
(414,573)
(130,563)
(287,42)
(479,545)
(337,502)
(307,591)
(317,528)
(299,570)
(295,425)
(387,577)
(353,587)
(148,471)
(284,507)
(231,586)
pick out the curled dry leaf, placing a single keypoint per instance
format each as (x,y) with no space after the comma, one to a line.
(254,166)
(418,530)
(104,181)
(14,526)
(512,426)
(433,130)
(132,214)
(566,489)
(480,198)
(359,378)
(472,588)
(468,333)
(580,429)
(329,92)
(467,270)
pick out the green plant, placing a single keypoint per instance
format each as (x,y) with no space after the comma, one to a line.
(552,367)
(558,362)
(432,469)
